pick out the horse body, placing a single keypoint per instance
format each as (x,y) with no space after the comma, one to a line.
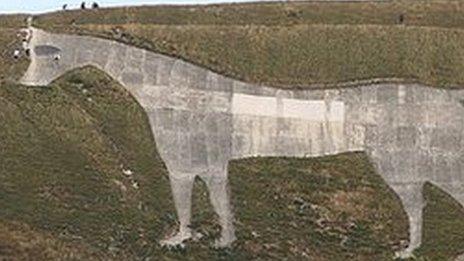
(201,120)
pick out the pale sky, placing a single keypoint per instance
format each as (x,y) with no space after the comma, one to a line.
(37,6)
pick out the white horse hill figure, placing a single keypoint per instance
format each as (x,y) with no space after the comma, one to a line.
(201,120)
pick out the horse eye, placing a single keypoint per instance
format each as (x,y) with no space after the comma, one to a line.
(46,50)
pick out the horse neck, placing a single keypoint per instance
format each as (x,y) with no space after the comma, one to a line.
(139,71)
(121,62)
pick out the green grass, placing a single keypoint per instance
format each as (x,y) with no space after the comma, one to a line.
(61,179)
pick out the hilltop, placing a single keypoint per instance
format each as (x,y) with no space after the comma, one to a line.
(296,44)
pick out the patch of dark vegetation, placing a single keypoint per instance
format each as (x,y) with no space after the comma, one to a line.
(334,208)
(443,227)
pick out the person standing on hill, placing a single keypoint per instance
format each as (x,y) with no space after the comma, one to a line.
(83,5)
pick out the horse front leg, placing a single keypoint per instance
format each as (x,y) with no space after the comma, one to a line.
(181,186)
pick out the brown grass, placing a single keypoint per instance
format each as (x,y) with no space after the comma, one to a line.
(294,44)
(10,69)
(19,241)
(304,56)
(422,13)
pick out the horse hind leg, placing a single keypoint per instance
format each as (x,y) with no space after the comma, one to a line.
(399,169)
(217,184)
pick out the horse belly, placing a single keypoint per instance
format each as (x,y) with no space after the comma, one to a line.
(270,126)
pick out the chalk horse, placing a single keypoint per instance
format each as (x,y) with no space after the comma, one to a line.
(201,120)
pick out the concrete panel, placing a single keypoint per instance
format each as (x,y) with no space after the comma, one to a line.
(446,139)
(217,82)
(198,150)
(116,60)
(131,78)
(135,60)
(185,75)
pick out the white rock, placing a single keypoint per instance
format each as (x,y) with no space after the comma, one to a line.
(127,172)
(135,184)
(16,54)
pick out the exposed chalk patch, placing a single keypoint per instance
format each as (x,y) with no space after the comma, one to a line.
(275,126)
(314,110)
(254,105)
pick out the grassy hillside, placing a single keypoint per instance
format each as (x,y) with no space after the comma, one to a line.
(309,55)
(293,45)
(12,21)
(10,69)
(444,213)
(63,148)
(62,162)
(420,13)
(63,152)
(63,192)
(22,242)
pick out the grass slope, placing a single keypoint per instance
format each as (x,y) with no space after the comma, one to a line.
(63,148)
(62,161)
(61,182)
(21,242)
(309,55)
(421,13)
(293,45)
(442,212)
(10,69)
